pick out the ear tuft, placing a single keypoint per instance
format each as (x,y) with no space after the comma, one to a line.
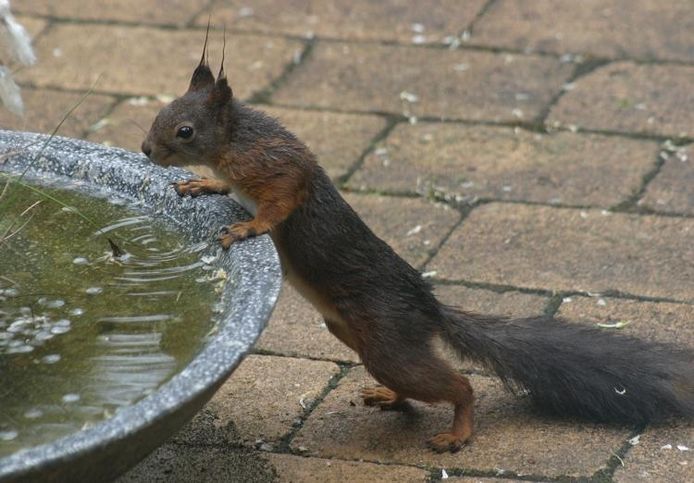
(221,94)
(202,75)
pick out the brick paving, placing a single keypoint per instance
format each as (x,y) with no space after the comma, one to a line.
(529,157)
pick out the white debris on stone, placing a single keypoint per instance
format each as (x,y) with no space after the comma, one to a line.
(409,97)
(414,230)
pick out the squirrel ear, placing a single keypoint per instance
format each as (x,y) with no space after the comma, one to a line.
(202,76)
(221,93)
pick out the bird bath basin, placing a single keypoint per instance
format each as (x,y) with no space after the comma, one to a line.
(245,297)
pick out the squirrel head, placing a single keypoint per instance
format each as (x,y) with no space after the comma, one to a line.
(191,130)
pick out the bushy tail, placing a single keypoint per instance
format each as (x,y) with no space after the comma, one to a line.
(575,370)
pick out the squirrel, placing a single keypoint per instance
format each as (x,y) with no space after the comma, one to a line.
(379,305)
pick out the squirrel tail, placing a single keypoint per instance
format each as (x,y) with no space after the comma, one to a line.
(575,370)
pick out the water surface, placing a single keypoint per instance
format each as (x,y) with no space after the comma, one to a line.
(84,333)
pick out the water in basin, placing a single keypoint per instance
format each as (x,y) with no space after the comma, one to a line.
(82,333)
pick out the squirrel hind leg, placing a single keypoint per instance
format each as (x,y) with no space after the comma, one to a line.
(463,425)
(424,376)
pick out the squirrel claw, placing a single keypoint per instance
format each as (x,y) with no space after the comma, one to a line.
(236,232)
(444,442)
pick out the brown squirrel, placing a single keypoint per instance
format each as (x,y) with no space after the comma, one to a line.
(378,305)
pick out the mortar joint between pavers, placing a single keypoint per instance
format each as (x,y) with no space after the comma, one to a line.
(616,459)
(530,126)
(435,250)
(502,288)
(117,101)
(264,95)
(470,27)
(581,69)
(284,443)
(553,304)
(382,135)
(631,203)
(57,19)
(648,211)
(508,475)
(267,352)
(642,136)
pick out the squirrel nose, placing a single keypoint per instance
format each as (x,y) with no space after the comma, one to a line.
(146,148)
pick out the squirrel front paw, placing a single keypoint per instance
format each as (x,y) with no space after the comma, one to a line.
(236,232)
(203,186)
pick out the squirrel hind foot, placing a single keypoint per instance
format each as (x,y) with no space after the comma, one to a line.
(445,442)
(384,398)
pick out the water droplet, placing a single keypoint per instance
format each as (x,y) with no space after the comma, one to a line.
(50,358)
(71,397)
(8,435)
(33,413)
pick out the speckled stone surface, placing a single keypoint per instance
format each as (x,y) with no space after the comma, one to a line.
(251,290)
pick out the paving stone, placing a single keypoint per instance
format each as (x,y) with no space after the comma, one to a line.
(178,12)
(671,190)
(571,249)
(297,329)
(424,82)
(644,29)
(292,469)
(467,162)
(509,437)
(180,464)
(253,61)
(394,20)
(510,304)
(662,454)
(34,26)
(127,126)
(413,227)
(44,109)
(626,97)
(260,402)
(476,479)
(338,140)
(660,321)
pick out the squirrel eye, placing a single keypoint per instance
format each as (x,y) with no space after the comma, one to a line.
(184,132)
